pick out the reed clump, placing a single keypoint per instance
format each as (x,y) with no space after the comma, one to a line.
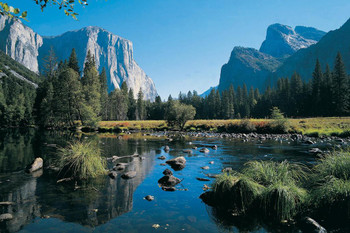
(81,160)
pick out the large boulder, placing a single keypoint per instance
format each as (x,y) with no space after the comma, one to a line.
(310,225)
(169,181)
(35,165)
(177,163)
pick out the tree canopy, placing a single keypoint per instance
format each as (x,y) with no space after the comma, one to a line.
(66,5)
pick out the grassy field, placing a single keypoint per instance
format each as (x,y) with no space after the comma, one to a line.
(309,126)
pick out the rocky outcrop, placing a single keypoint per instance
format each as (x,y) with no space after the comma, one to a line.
(247,66)
(325,50)
(110,51)
(282,41)
(20,42)
(257,68)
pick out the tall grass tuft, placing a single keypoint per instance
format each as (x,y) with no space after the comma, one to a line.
(336,164)
(267,172)
(282,201)
(331,184)
(236,191)
(81,160)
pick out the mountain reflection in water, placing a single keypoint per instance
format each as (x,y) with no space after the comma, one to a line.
(38,194)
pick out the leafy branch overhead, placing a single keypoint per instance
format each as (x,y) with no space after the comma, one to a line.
(66,5)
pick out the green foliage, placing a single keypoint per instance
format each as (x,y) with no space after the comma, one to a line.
(236,191)
(335,164)
(178,114)
(279,124)
(81,160)
(282,201)
(267,172)
(66,5)
(270,186)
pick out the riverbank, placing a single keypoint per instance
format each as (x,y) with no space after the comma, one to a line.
(320,126)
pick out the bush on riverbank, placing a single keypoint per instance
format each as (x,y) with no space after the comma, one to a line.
(81,160)
(277,190)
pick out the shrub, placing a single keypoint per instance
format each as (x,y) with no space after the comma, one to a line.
(279,123)
(178,114)
(81,160)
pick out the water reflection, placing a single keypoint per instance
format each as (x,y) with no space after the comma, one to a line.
(110,205)
(38,195)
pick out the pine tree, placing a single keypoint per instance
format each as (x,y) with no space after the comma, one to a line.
(50,63)
(297,90)
(340,87)
(141,110)
(91,90)
(131,106)
(317,79)
(104,94)
(73,61)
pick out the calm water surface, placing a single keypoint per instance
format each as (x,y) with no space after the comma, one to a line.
(109,205)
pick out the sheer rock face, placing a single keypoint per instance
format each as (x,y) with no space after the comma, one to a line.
(247,66)
(20,42)
(110,51)
(282,41)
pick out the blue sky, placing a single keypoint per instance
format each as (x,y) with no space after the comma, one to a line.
(182,44)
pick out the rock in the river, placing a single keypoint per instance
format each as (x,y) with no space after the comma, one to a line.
(169,181)
(177,163)
(36,165)
(149,198)
(4,217)
(171,189)
(166,149)
(310,225)
(215,147)
(129,175)
(167,172)
(187,151)
(119,167)
(315,151)
(202,179)
(204,150)
(113,174)
(205,167)
(162,157)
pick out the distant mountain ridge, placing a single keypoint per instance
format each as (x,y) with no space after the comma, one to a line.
(110,51)
(257,67)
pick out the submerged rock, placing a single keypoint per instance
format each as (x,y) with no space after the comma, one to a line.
(113,174)
(177,163)
(162,157)
(205,167)
(129,175)
(315,151)
(204,150)
(167,172)
(5,217)
(310,225)
(202,179)
(149,198)
(36,165)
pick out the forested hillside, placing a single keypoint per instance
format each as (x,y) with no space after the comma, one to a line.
(17,92)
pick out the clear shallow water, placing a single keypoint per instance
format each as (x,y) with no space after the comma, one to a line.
(109,205)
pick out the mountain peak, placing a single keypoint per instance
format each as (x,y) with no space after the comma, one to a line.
(282,40)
